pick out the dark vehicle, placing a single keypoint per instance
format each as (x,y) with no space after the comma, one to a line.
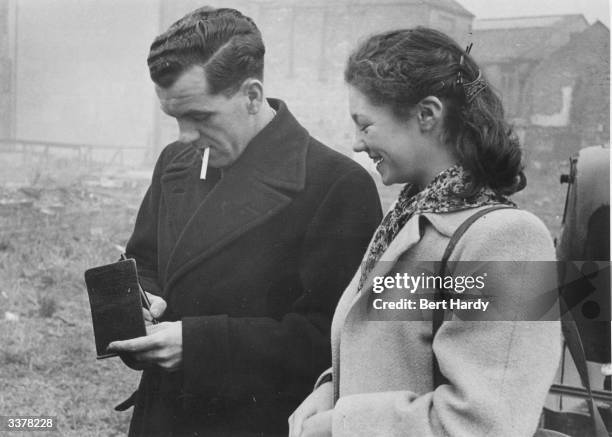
(585,236)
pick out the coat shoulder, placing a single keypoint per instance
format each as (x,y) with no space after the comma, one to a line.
(501,235)
(508,234)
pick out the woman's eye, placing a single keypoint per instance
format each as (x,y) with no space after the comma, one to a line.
(364,129)
(200,118)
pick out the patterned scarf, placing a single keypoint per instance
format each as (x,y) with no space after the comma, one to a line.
(439,196)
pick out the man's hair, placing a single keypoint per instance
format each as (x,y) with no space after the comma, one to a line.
(225,43)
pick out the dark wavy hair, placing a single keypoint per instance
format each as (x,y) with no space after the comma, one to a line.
(399,68)
(224,42)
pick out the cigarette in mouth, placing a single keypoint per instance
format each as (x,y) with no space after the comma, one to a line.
(205,156)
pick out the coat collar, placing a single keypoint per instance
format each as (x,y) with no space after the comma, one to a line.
(257,186)
(277,154)
(408,236)
(411,234)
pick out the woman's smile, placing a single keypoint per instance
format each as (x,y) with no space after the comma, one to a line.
(376,158)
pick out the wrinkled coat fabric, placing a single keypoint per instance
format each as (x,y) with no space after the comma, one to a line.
(253,265)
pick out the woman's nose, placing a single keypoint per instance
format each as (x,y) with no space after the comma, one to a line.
(359,144)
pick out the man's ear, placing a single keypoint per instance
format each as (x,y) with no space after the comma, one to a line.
(430,112)
(253,90)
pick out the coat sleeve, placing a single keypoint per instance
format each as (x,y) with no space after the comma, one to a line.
(142,245)
(259,355)
(498,372)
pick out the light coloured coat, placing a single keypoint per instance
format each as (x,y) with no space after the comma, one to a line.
(499,372)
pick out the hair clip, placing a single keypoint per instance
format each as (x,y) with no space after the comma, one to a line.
(472,89)
(459,74)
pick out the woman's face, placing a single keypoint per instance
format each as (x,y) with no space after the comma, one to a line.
(397,146)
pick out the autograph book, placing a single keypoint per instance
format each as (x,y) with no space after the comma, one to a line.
(116,305)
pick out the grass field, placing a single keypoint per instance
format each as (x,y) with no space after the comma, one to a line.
(58,219)
(58,224)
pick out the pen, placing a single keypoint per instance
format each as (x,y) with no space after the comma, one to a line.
(145,299)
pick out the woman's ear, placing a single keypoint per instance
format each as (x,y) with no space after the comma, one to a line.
(430,111)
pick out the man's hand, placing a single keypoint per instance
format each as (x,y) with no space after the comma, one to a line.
(162,346)
(158,307)
(319,401)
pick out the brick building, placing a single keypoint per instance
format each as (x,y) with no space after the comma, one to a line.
(510,49)
(570,93)
(553,75)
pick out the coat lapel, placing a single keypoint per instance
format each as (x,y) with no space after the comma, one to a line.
(256,187)
(349,307)
(408,236)
(182,191)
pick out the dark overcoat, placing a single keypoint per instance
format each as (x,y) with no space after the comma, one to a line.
(252,261)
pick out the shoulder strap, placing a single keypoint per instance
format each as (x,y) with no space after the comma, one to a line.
(464,227)
(438,315)
(570,331)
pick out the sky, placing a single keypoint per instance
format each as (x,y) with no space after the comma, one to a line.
(591,9)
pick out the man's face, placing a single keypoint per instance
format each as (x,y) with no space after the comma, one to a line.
(216,121)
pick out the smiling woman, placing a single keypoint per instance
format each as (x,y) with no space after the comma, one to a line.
(427,117)
(413,87)
(401,149)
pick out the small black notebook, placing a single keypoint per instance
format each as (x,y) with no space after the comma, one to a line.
(116,306)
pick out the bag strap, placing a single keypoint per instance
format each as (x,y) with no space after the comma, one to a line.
(568,326)
(438,315)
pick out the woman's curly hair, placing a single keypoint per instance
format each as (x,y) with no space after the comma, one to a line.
(399,68)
